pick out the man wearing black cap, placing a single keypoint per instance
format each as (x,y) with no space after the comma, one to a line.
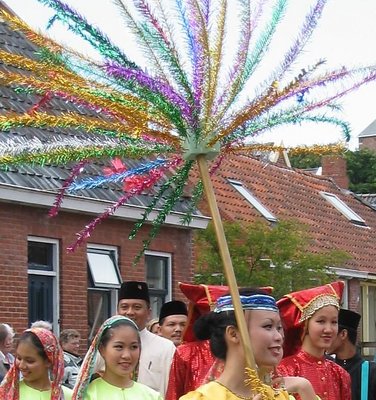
(344,347)
(156,351)
(172,320)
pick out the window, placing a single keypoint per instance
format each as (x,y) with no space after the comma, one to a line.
(252,200)
(43,303)
(103,282)
(158,278)
(343,209)
(368,324)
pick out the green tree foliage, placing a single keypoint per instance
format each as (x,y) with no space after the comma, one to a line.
(361,168)
(264,255)
(304,161)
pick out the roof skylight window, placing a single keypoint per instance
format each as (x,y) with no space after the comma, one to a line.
(252,200)
(343,209)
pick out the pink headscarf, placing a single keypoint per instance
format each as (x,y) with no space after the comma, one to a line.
(9,388)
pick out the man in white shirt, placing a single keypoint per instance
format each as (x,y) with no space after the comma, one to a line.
(156,351)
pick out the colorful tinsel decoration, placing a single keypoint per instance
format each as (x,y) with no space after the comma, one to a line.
(191,99)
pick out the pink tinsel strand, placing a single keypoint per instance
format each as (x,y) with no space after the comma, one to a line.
(59,198)
(117,167)
(369,78)
(145,10)
(46,98)
(136,187)
(307,30)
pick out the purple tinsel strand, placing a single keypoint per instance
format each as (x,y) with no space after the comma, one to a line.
(310,24)
(154,85)
(237,68)
(305,85)
(193,56)
(198,52)
(369,78)
(59,198)
(181,8)
(206,10)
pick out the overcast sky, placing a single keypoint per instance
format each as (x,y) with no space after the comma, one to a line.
(346,35)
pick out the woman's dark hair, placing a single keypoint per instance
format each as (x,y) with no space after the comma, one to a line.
(107,334)
(213,326)
(34,340)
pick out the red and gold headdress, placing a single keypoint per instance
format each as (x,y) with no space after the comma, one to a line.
(297,307)
(9,389)
(202,299)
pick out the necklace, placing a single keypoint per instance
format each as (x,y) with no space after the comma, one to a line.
(235,394)
(42,389)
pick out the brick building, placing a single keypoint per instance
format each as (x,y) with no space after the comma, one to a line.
(367,138)
(39,279)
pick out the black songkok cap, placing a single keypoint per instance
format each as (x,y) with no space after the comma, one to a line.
(174,307)
(348,319)
(134,290)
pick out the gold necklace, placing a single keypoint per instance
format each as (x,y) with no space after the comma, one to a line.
(235,394)
(43,389)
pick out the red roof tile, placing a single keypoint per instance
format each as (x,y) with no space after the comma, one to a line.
(295,194)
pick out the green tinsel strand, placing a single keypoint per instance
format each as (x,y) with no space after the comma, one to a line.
(257,127)
(262,44)
(88,32)
(171,200)
(47,56)
(174,180)
(198,190)
(28,90)
(6,126)
(158,102)
(167,56)
(63,156)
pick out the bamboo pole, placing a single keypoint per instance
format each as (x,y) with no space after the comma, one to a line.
(226,259)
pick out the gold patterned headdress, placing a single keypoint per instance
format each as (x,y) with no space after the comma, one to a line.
(297,307)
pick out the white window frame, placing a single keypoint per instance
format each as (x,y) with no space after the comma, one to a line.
(168,256)
(55,274)
(367,325)
(344,209)
(112,288)
(252,200)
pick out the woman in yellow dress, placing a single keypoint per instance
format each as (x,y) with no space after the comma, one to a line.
(266,334)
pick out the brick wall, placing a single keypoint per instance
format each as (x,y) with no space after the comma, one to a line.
(367,143)
(18,222)
(335,167)
(354,295)
(354,301)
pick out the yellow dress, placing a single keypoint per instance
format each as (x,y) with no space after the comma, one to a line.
(215,391)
